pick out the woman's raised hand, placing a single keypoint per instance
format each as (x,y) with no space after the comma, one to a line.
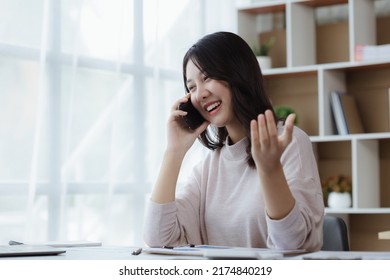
(267,145)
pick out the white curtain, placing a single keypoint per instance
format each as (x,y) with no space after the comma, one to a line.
(86,88)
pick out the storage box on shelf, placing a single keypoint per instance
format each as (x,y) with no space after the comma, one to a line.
(300,91)
(371,89)
(315,57)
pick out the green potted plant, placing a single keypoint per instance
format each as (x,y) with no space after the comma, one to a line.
(282,111)
(262,53)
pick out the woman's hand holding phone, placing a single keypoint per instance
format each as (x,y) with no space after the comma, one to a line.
(180,135)
(193,119)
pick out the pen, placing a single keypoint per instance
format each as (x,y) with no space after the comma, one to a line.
(137,252)
(171,247)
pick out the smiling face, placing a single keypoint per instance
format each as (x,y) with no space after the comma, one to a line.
(213,99)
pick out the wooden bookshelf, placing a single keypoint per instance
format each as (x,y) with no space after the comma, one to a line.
(310,60)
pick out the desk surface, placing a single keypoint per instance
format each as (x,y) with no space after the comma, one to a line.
(124,253)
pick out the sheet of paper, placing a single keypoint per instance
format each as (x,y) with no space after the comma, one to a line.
(223,252)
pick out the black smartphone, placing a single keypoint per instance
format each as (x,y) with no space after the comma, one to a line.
(193,118)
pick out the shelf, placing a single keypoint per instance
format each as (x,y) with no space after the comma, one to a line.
(363,231)
(265,7)
(311,41)
(320,3)
(350,137)
(311,58)
(357,211)
(275,6)
(342,66)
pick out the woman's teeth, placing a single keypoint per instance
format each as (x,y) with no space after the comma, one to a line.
(213,106)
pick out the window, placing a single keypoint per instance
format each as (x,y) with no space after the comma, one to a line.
(86,91)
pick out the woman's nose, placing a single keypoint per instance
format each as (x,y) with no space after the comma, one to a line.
(202,93)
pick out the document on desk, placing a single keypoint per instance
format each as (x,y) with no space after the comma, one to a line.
(59,244)
(223,252)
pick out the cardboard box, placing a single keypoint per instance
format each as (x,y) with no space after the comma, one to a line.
(332,42)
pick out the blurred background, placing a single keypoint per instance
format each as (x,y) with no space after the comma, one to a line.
(86,88)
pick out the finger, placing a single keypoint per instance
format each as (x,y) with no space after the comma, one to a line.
(263,130)
(202,127)
(254,135)
(290,121)
(271,125)
(183,99)
(288,130)
(179,113)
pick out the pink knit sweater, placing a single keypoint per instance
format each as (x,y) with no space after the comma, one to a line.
(222,203)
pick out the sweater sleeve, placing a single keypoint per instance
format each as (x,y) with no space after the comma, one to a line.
(178,222)
(302,227)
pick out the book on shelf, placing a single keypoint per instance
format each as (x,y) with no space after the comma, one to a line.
(345,113)
(337,112)
(370,52)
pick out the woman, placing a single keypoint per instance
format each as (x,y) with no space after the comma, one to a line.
(259,186)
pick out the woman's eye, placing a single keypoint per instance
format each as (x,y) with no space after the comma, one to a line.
(191,88)
(206,78)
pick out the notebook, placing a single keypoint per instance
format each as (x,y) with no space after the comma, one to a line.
(29,250)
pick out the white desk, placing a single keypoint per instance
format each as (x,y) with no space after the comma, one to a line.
(348,255)
(124,253)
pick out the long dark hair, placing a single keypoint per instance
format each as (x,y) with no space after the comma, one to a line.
(227,57)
